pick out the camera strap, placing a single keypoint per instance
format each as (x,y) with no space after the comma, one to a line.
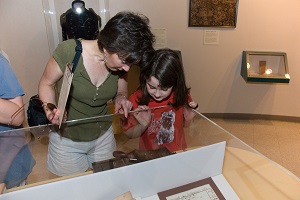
(78,50)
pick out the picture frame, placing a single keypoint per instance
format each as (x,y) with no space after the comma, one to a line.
(202,189)
(213,13)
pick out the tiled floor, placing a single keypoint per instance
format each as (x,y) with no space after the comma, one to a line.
(277,140)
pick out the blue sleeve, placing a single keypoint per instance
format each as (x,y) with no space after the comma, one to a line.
(9,84)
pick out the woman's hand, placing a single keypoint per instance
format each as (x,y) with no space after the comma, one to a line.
(122,105)
(53,116)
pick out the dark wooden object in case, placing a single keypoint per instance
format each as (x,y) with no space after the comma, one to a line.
(122,159)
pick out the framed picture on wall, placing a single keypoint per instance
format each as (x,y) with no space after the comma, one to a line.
(213,13)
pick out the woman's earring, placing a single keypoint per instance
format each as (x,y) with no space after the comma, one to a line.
(104,58)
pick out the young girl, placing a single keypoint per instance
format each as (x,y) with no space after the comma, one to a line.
(162,84)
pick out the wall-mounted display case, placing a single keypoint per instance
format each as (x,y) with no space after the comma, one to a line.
(259,66)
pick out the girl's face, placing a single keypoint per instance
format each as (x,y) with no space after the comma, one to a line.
(155,91)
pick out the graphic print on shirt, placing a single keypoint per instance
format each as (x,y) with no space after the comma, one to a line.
(166,131)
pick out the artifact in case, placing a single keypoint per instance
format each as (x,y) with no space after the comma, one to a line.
(258,66)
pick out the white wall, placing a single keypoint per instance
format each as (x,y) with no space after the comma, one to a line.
(213,72)
(23,37)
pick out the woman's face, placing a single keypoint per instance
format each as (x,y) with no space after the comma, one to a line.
(155,91)
(114,63)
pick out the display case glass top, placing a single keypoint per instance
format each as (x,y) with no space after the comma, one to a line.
(260,66)
(249,173)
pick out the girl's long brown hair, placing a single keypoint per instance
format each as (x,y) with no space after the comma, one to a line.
(166,67)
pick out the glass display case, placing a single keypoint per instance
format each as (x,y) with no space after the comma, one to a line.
(248,173)
(271,67)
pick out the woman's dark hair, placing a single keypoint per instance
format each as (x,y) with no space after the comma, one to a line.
(167,68)
(128,35)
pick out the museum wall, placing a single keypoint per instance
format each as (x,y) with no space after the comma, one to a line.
(212,71)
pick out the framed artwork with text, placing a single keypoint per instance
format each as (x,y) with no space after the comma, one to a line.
(204,189)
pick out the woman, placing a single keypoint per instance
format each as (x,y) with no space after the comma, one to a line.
(11,93)
(99,77)
(16,161)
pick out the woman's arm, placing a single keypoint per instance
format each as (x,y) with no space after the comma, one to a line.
(8,107)
(122,104)
(47,84)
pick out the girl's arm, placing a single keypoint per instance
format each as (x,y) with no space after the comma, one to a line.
(142,115)
(188,113)
(135,131)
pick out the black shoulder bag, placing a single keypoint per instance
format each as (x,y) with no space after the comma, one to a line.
(35,112)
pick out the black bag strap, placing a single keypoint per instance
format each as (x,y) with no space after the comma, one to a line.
(78,50)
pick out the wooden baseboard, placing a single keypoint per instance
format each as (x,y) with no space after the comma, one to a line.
(2,188)
(125,196)
(245,116)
